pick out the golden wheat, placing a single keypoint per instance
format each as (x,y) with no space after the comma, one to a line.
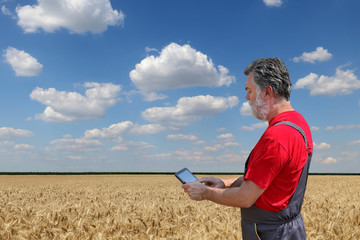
(153,207)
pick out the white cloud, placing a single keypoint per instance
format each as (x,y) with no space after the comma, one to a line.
(356,142)
(77,16)
(342,127)
(11,133)
(214,148)
(184,154)
(117,130)
(221,129)
(320,54)
(329,160)
(189,109)
(124,146)
(233,157)
(152,96)
(78,144)
(72,106)
(23,147)
(255,126)
(322,146)
(219,146)
(245,109)
(273,3)
(9,146)
(22,63)
(349,156)
(232,144)
(147,129)
(149,49)
(226,136)
(226,139)
(314,128)
(182,137)
(342,83)
(178,67)
(113,131)
(7,12)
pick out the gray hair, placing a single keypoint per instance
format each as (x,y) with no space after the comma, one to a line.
(271,72)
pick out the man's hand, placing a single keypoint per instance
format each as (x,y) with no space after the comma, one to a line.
(195,190)
(212,182)
(244,196)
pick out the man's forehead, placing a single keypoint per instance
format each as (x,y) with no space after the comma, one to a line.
(249,82)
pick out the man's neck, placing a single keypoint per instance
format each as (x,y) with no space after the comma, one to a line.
(279,107)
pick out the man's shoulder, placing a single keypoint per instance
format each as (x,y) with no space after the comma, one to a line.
(291,116)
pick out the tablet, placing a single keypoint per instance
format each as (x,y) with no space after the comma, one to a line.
(184,175)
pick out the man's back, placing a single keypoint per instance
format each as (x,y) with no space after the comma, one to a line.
(277,160)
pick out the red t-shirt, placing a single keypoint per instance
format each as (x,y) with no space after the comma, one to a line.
(277,160)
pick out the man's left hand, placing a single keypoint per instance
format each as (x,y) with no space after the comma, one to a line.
(195,190)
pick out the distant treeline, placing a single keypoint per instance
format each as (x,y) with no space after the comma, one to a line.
(145,173)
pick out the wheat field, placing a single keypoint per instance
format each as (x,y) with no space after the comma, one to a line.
(153,207)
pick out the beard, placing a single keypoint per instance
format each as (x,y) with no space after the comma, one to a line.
(259,109)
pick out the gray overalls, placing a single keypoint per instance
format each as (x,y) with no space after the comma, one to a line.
(258,224)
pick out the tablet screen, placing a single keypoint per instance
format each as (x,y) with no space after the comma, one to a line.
(186,176)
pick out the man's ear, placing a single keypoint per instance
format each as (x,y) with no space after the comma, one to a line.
(269,92)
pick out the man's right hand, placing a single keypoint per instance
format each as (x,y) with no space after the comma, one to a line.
(212,182)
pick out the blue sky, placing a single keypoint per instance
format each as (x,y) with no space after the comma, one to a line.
(159,85)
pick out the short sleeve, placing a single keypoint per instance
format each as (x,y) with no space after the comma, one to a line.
(267,160)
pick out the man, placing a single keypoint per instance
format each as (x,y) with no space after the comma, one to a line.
(271,192)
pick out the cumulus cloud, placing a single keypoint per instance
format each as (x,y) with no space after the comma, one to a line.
(7,147)
(7,12)
(356,142)
(152,96)
(322,146)
(184,154)
(226,136)
(342,127)
(219,146)
(245,109)
(273,3)
(23,147)
(11,133)
(117,130)
(329,160)
(221,129)
(314,128)
(77,145)
(149,49)
(182,137)
(320,54)
(233,157)
(126,145)
(77,16)
(72,106)
(226,140)
(255,126)
(22,63)
(189,109)
(178,67)
(342,83)
(214,148)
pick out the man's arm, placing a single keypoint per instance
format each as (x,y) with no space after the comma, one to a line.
(237,182)
(244,196)
(221,183)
